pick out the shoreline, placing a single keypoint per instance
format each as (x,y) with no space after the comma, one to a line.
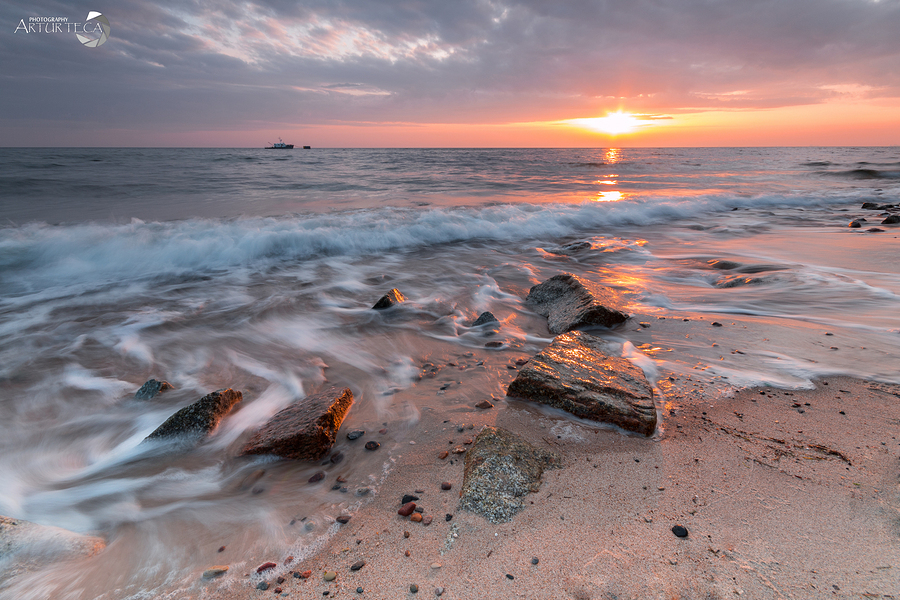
(782,494)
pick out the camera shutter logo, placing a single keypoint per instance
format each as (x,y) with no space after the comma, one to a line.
(103,23)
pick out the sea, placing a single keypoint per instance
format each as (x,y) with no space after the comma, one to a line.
(257,270)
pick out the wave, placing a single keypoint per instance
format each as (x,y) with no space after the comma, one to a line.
(864,174)
(39,256)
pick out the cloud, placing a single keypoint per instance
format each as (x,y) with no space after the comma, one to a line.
(177,64)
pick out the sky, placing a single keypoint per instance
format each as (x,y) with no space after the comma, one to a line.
(455,73)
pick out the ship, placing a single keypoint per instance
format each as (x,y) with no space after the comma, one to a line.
(280,145)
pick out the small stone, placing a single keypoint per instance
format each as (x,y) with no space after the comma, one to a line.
(288,561)
(716,324)
(448,517)
(372,445)
(891,220)
(459,450)
(406,553)
(214,572)
(355,434)
(407,509)
(427,519)
(680,531)
(416,517)
(279,580)
(317,477)
(336,458)
(262,585)
(419,509)
(494,344)
(330,575)
(343,519)
(484,404)
(443,455)
(266,567)
(363,491)
(406,534)
(341,479)
(413,588)
(439,591)
(382,431)
(408,498)
(277,590)
(535,560)
(855,224)
(359,590)
(446,486)
(435,565)
(221,549)
(392,298)
(297,575)
(305,574)
(508,576)
(357,565)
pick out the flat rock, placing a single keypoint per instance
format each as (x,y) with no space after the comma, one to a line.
(27,546)
(500,469)
(200,418)
(304,430)
(152,388)
(392,298)
(576,374)
(485,318)
(569,302)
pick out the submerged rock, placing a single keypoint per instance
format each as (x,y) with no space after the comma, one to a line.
(891,220)
(500,469)
(485,318)
(152,388)
(392,298)
(576,374)
(200,418)
(304,430)
(568,302)
(27,546)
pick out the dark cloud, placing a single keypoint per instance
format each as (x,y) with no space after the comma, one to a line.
(179,64)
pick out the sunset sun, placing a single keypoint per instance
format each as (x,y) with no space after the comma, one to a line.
(615,123)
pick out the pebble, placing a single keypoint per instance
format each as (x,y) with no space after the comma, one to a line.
(435,565)
(355,434)
(317,477)
(357,565)
(336,458)
(446,485)
(680,531)
(330,575)
(406,534)
(508,576)
(406,553)
(522,361)
(459,450)
(407,509)
(419,509)
(297,575)
(221,548)
(363,491)
(382,431)
(716,324)
(343,520)
(372,445)
(277,590)
(359,590)
(413,588)
(279,580)
(443,455)
(408,498)
(484,404)
(416,517)
(341,479)
(448,517)
(265,567)
(216,571)
(427,519)
(439,591)
(288,561)
(535,560)
(262,585)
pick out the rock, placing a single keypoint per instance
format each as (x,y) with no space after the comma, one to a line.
(407,509)
(494,344)
(535,560)
(151,388)
(436,565)
(571,248)
(359,590)
(716,324)
(444,454)
(408,498)
(198,420)
(575,374)
(484,404)
(372,445)
(330,575)
(303,575)
(439,591)
(355,434)
(392,298)
(446,485)
(508,576)
(500,469)
(343,520)
(427,519)
(680,531)
(569,302)
(213,572)
(27,546)
(413,588)
(416,517)
(871,206)
(855,224)
(317,477)
(874,229)
(265,567)
(357,565)
(891,220)
(485,318)
(304,430)
(262,585)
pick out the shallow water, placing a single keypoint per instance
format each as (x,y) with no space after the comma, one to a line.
(244,269)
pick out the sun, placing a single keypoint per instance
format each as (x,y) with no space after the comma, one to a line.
(615,123)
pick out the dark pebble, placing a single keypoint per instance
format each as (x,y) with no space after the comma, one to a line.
(336,486)
(716,324)
(408,498)
(356,434)
(358,565)
(277,590)
(372,445)
(222,549)
(446,486)
(413,588)
(484,405)
(359,590)
(296,574)
(279,580)
(680,531)
(493,344)
(343,519)
(508,576)
(448,517)
(262,585)
(326,592)
(337,457)
(317,477)
(535,560)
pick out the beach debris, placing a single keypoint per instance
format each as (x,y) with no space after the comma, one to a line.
(500,469)
(576,374)
(151,388)
(357,565)
(355,434)
(680,531)
(305,430)
(485,318)
(25,546)
(407,509)
(569,302)
(196,421)
(484,405)
(277,590)
(446,485)
(392,298)
(213,572)
(716,324)
(221,549)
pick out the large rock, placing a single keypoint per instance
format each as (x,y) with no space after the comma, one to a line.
(152,388)
(500,468)
(304,430)
(569,302)
(574,373)
(392,298)
(26,546)
(198,420)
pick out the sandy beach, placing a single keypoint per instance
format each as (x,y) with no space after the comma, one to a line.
(785,494)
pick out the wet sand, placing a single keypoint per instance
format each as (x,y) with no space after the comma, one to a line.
(785,494)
